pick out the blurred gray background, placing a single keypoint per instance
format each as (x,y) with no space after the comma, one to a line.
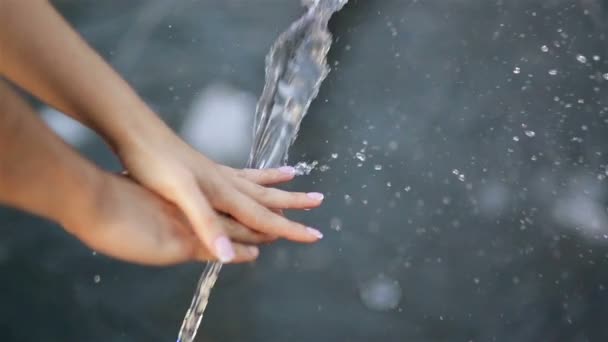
(461,146)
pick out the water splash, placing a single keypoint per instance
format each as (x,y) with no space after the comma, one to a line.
(295,68)
(304,168)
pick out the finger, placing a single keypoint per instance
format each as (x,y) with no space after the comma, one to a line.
(239,233)
(205,221)
(267,176)
(279,199)
(257,217)
(242,253)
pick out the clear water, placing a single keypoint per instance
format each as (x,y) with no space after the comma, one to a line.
(295,68)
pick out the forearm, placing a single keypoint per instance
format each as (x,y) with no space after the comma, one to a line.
(41,53)
(39,173)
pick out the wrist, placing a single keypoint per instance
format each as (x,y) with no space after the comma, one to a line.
(146,137)
(135,129)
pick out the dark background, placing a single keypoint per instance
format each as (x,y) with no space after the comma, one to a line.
(478,214)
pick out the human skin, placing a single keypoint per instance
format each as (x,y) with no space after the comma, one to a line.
(40,53)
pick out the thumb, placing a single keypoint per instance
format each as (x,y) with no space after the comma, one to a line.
(205,222)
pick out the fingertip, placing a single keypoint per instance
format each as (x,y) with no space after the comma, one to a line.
(304,235)
(314,232)
(246,254)
(287,170)
(223,249)
(317,196)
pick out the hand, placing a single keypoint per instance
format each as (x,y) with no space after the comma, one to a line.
(200,188)
(133,224)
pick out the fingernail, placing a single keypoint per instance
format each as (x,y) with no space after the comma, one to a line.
(254,251)
(224,250)
(315,232)
(315,196)
(288,170)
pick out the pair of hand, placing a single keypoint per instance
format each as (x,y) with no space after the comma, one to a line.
(176,205)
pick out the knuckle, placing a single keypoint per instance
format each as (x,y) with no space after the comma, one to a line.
(269,217)
(263,220)
(263,193)
(243,173)
(219,195)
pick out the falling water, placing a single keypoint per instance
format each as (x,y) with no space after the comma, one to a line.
(295,68)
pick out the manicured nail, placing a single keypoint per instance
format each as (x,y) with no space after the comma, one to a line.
(315,196)
(288,170)
(315,233)
(254,251)
(224,250)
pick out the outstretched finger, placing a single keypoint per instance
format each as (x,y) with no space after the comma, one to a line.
(239,233)
(267,176)
(257,217)
(279,199)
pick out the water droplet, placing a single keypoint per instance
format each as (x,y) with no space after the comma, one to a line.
(456,172)
(596,58)
(381,294)
(516,138)
(553,72)
(605,76)
(476,280)
(360,156)
(377,167)
(533,158)
(97,279)
(530,134)
(348,199)
(324,168)
(461,177)
(304,168)
(517,70)
(407,188)
(581,58)
(334,156)
(336,224)
(544,48)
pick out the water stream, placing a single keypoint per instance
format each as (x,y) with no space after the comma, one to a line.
(295,68)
